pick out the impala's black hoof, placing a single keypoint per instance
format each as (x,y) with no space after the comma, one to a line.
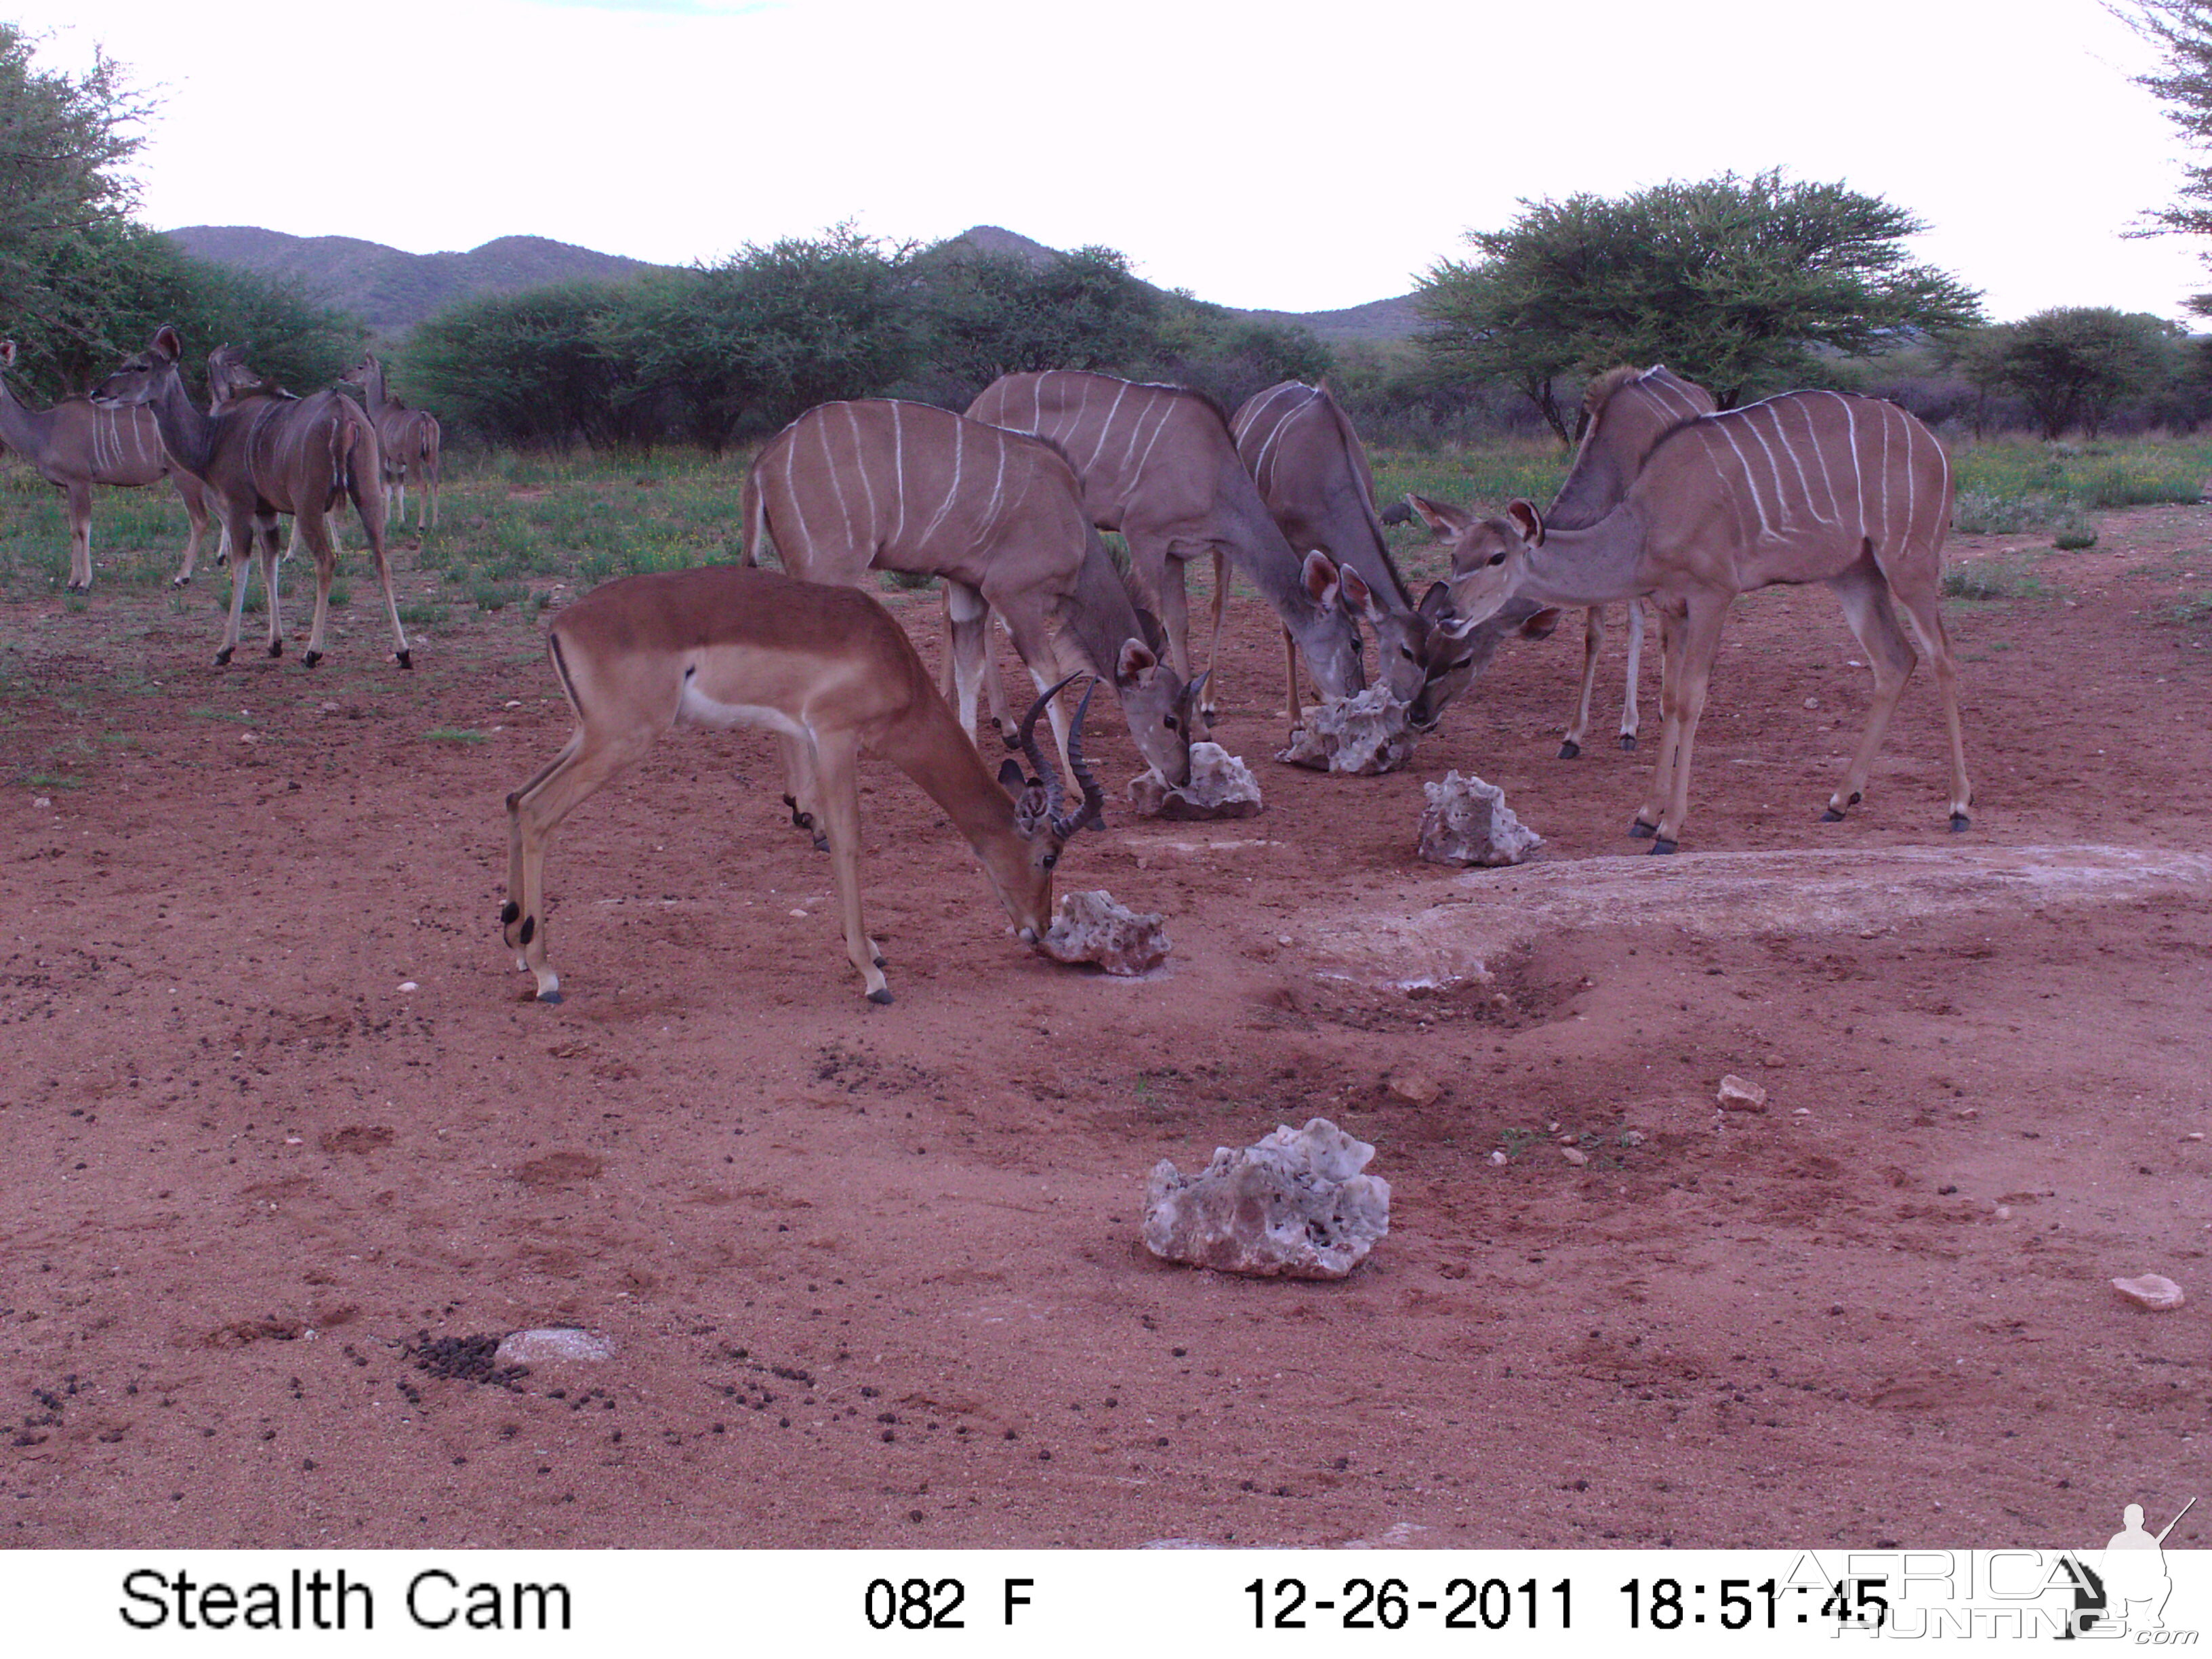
(1832,816)
(1640,830)
(1628,740)
(275,647)
(71,587)
(1570,749)
(180,581)
(1959,822)
(222,658)
(406,659)
(882,998)
(548,996)
(509,913)
(1660,844)
(312,657)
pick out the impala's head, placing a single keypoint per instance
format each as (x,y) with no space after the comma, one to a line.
(1160,709)
(1041,821)
(139,380)
(1329,636)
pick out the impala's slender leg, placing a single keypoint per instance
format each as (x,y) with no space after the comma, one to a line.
(1701,636)
(836,756)
(533,812)
(79,523)
(1210,704)
(1628,718)
(1570,747)
(1927,619)
(196,514)
(805,799)
(1293,705)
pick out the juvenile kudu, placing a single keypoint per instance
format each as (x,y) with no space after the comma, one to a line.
(1158,464)
(408,440)
(259,451)
(74,445)
(899,486)
(1308,464)
(1808,487)
(1625,411)
(825,667)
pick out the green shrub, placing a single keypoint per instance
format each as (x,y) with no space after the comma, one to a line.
(422,616)
(1992,578)
(497,596)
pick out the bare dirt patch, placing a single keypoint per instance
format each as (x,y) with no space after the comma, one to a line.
(265,1210)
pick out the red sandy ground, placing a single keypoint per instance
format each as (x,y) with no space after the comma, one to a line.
(874,1273)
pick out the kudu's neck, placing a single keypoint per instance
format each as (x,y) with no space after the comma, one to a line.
(1595,566)
(372,384)
(187,431)
(1104,615)
(24,430)
(1262,553)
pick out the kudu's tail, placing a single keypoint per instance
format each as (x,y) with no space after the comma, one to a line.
(756,539)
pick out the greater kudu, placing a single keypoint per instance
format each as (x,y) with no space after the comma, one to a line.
(1306,459)
(1158,464)
(407,439)
(829,670)
(74,445)
(1625,411)
(258,452)
(1808,487)
(902,486)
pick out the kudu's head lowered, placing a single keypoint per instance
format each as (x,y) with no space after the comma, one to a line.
(1040,817)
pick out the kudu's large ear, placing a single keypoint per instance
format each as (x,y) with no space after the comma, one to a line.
(1435,605)
(7,354)
(166,344)
(1528,520)
(1447,522)
(1542,625)
(1134,659)
(1320,576)
(1358,597)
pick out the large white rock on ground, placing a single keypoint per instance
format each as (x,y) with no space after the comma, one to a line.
(1221,786)
(1468,822)
(1365,734)
(1295,1206)
(1091,927)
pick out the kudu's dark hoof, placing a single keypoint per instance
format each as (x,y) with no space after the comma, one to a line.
(548,996)
(821,843)
(275,647)
(180,581)
(222,658)
(1959,822)
(882,998)
(1659,844)
(71,587)
(509,913)
(1570,749)
(406,659)
(1640,830)
(1832,816)
(312,657)
(883,961)
(1628,740)
(1012,742)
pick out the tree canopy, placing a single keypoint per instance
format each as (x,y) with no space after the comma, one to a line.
(2072,365)
(2182,32)
(1736,282)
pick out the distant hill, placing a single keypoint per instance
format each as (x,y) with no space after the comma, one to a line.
(391,289)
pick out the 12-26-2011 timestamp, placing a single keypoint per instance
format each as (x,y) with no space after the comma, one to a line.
(1466,1603)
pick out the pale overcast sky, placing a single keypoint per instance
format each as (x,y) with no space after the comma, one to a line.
(1284,155)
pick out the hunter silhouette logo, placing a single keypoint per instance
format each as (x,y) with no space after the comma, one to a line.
(2135,1583)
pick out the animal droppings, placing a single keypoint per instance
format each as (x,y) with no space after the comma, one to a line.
(553,1343)
(2151,1290)
(1467,822)
(1091,927)
(1735,1095)
(1365,734)
(1294,1206)
(1221,786)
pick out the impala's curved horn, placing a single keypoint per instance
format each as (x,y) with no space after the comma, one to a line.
(1054,792)
(1094,798)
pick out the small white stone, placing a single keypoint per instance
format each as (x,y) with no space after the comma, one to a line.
(409,985)
(551,1344)
(1812,702)
(2003,1212)
(1466,821)
(1365,734)
(1284,939)
(1574,1155)
(1220,787)
(2151,1290)
(42,800)
(1091,927)
(1737,1095)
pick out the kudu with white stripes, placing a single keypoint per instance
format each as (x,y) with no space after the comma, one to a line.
(408,440)
(260,452)
(1306,459)
(830,670)
(74,445)
(899,486)
(1158,464)
(1625,411)
(1808,487)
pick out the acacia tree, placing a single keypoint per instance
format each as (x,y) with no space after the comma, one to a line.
(2182,32)
(2071,365)
(1735,282)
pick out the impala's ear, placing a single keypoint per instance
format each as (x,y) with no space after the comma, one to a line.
(166,345)
(1320,580)
(1448,522)
(1436,605)
(1540,626)
(1134,659)
(1009,776)
(1528,520)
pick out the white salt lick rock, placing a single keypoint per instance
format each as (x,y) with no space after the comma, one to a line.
(1091,927)
(2152,1290)
(1294,1206)
(551,1344)
(1365,734)
(1466,821)
(1221,786)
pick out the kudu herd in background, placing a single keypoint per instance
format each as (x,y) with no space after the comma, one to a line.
(410,441)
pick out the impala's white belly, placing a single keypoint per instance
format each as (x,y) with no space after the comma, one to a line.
(696,709)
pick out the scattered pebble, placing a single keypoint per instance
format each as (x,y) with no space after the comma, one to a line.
(1812,702)
(330,709)
(1803,1111)
(1574,1155)
(1632,1137)
(1415,1089)
(1284,939)
(42,800)
(2003,1212)
(409,985)
(551,1343)
(1775,1062)
(1737,1095)
(2151,1290)
(249,736)
(1499,1159)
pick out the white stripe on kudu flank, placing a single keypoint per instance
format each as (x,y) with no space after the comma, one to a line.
(1167,409)
(959,444)
(898,468)
(1106,426)
(860,466)
(1781,489)
(1265,459)
(1858,469)
(836,479)
(1136,430)
(997,490)
(1885,475)
(1758,504)
(1834,515)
